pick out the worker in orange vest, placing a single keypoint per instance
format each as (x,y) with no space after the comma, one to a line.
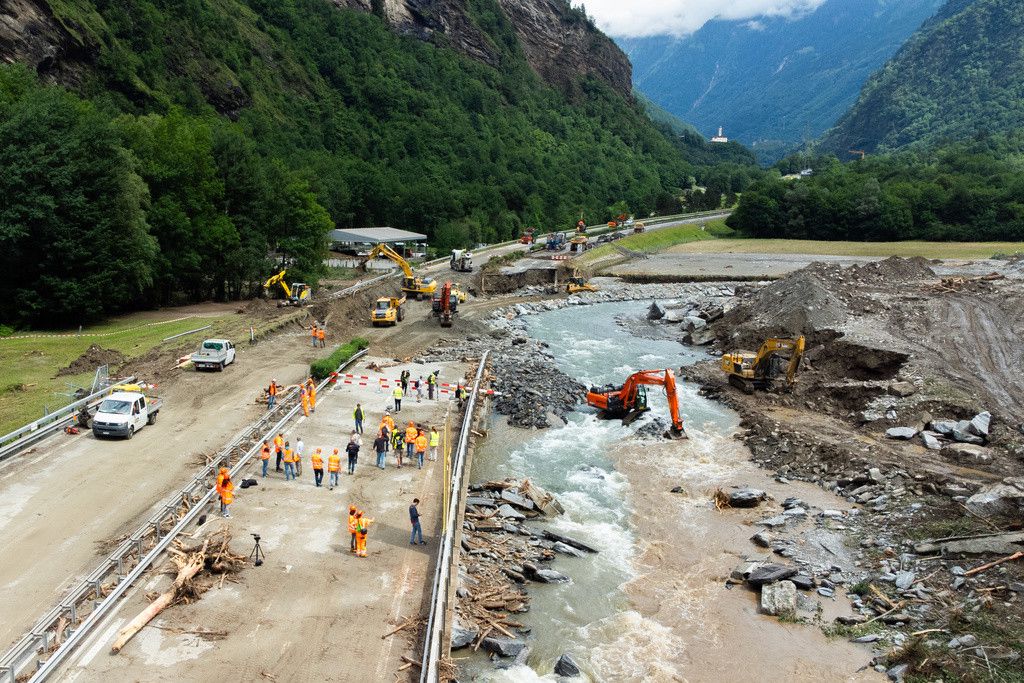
(311,388)
(304,397)
(321,336)
(227,494)
(362,526)
(272,394)
(352,524)
(222,474)
(313,333)
(265,457)
(318,467)
(333,468)
(279,448)
(289,461)
(421,447)
(410,439)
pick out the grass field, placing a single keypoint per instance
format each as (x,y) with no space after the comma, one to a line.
(28,365)
(941,250)
(657,240)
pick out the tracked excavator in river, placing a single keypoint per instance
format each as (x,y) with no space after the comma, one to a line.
(629,401)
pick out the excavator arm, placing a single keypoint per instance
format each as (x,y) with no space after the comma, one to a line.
(387,252)
(278,280)
(410,283)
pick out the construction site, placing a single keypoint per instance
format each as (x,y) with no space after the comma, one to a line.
(655,467)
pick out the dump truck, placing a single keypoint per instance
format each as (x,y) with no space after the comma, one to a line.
(388,310)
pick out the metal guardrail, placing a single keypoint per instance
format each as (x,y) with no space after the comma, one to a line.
(437,622)
(64,625)
(35,431)
(341,293)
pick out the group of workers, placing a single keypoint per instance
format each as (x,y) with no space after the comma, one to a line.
(319,335)
(307,395)
(402,389)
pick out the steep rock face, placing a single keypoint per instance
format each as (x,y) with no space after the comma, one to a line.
(31,35)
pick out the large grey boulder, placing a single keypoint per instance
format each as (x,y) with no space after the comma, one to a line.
(655,312)
(979,426)
(962,433)
(746,498)
(510,512)
(944,427)
(968,451)
(566,666)
(692,323)
(503,647)
(770,573)
(565,549)
(904,433)
(931,441)
(779,599)
(1006,498)
(463,634)
(517,500)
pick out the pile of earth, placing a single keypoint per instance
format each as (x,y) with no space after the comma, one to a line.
(93,357)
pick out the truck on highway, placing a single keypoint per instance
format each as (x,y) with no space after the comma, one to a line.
(214,354)
(125,411)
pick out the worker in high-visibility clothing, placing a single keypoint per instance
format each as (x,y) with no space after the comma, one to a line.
(321,337)
(421,448)
(362,527)
(313,334)
(290,458)
(397,394)
(435,441)
(304,397)
(352,525)
(265,457)
(311,389)
(318,467)
(279,448)
(410,438)
(222,474)
(333,468)
(397,438)
(227,494)
(272,394)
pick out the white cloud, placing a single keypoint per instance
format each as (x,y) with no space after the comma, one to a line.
(634,18)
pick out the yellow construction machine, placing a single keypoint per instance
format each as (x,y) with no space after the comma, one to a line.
(298,294)
(411,284)
(577,283)
(750,371)
(388,310)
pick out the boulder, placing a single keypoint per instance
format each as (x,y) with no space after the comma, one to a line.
(503,647)
(566,549)
(742,572)
(968,451)
(803,582)
(902,389)
(772,522)
(746,498)
(779,599)
(675,315)
(905,580)
(770,573)
(549,576)
(944,427)
(655,312)
(979,425)
(698,337)
(904,433)
(566,666)
(931,441)
(510,512)
(463,634)
(876,475)
(692,323)
(762,538)
(963,434)
(1006,498)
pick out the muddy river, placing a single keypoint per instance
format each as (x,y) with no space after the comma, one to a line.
(652,605)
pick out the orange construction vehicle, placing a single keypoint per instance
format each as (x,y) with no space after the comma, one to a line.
(629,401)
(446,304)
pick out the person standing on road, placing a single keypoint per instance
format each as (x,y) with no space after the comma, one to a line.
(398,394)
(304,397)
(410,439)
(222,474)
(431,385)
(311,389)
(279,447)
(265,457)
(362,527)
(397,437)
(419,389)
(318,467)
(421,448)
(333,468)
(227,495)
(289,461)
(352,524)
(357,415)
(405,381)
(353,455)
(300,450)
(321,337)
(435,441)
(380,445)
(414,518)
(272,394)
(313,334)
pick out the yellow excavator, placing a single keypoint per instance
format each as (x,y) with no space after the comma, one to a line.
(750,371)
(388,310)
(298,294)
(411,284)
(577,283)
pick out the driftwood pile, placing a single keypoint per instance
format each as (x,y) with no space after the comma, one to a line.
(500,555)
(194,568)
(949,285)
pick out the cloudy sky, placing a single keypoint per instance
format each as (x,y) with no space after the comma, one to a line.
(631,18)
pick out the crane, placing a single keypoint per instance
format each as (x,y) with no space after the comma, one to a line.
(861,152)
(446,304)
(411,284)
(629,401)
(298,294)
(748,371)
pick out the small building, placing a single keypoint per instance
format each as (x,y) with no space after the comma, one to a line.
(721,136)
(350,247)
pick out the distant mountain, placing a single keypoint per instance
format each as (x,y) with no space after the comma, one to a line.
(962,74)
(774,82)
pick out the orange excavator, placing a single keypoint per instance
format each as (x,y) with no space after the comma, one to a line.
(629,401)
(445,304)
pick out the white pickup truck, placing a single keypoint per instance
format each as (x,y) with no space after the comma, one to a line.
(124,412)
(214,354)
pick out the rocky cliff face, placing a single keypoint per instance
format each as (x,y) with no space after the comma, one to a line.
(558,43)
(30,34)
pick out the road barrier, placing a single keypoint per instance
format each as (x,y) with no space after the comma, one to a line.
(64,627)
(437,622)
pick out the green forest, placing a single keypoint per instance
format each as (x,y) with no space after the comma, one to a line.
(206,139)
(964,191)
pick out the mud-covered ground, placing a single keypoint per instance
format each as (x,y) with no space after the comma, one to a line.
(893,345)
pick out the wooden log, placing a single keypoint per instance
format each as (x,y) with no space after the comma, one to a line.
(996,563)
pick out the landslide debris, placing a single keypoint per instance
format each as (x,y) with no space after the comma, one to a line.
(93,357)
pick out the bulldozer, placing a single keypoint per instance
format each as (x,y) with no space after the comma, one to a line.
(577,283)
(629,401)
(388,310)
(298,294)
(749,371)
(411,283)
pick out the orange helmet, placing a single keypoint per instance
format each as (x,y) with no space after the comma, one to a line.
(351,508)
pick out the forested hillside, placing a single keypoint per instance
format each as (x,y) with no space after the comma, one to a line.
(962,74)
(963,191)
(169,147)
(775,82)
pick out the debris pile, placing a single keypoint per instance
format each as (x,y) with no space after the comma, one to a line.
(94,357)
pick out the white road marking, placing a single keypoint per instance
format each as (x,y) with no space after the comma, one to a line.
(101,638)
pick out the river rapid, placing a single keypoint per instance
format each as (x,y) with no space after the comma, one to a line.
(652,605)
